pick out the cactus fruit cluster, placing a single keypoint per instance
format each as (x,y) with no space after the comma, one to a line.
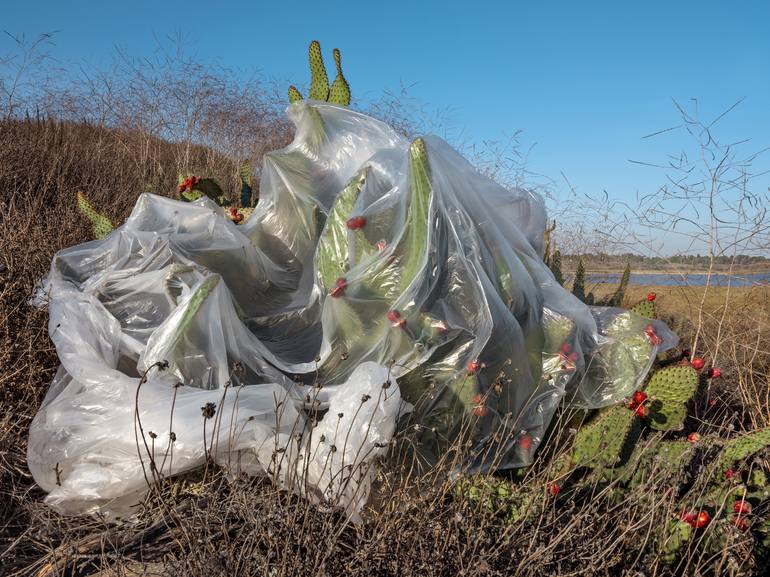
(644,442)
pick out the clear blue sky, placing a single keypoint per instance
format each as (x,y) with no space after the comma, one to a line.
(584,81)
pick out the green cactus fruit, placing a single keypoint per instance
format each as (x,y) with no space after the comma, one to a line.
(608,440)
(645,308)
(669,391)
(319,81)
(332,256)
(743,447)
(100,224)
(294,94)
(339,93)
(245,173)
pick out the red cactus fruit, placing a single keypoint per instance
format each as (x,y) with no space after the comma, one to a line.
(639,397)
(697,363)
(381,244)
(395,319)
(651,297)
(554,489)
(649,330)
(356,222)
(742,507)
(565,349)
(642,412)
(687,517)
(479,409)
(730,474)
(473,366)
(526,442)
(714,373)
(693,437)
(339,288)
(701,520)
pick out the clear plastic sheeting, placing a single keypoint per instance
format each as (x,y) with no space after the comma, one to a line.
(376,277)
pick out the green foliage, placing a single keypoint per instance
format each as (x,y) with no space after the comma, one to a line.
(100,224)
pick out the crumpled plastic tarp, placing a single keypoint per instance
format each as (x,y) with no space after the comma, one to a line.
(377,279)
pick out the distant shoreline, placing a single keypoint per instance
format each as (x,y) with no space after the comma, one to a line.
(735,271)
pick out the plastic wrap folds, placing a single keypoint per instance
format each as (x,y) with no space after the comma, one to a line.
(376,277)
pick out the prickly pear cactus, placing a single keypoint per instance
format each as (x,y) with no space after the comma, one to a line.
(339,93)
(245,174)
(645,308)
(743,447)
(608,440)
(670,389)
(319,81)
(100,224)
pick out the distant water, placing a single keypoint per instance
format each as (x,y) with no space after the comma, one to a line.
(671,279)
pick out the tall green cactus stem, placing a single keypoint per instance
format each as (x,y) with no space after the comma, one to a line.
(339,93)
(415,238)
(669,390)
(245,173)
(555,267)
(547,242)
(100,224)
(332,256)
(319,81)
(617,297)
(579,284)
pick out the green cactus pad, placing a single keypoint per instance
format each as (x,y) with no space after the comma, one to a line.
(675,539)
(659,459)
(608,440)
(669,390)
(645,308)
(319,81)
(339,93)
(244,172)
(294,94)
(744,447)
(100,224)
